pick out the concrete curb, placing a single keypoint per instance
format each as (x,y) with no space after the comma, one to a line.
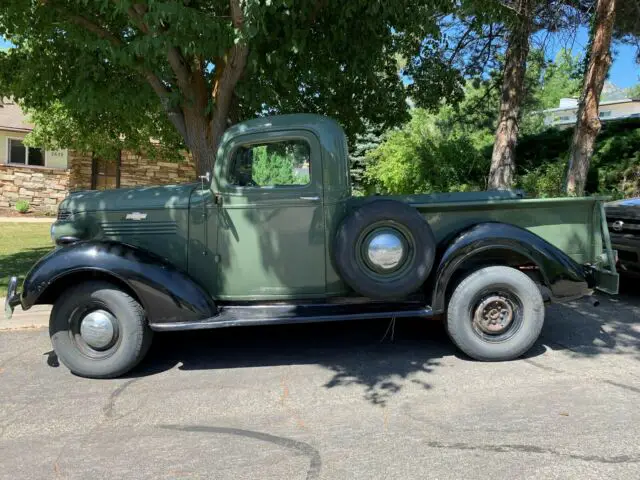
(27,219)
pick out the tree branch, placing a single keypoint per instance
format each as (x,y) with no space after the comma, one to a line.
(95,28)
(180,67)
(175,114)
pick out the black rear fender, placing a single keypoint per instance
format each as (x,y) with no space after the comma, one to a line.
(166,293)
(494,243)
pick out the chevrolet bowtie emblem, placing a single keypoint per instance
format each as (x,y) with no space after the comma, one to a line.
(135,216)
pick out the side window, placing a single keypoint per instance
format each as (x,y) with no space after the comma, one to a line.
(277,164)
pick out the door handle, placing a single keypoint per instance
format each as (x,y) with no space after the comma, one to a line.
(312,199)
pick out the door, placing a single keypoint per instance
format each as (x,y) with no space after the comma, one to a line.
(271,234)
(105,173)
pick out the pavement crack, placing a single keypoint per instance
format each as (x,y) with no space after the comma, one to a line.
(543,367)
(589,377)
(534,449)
(315,461)
(623,385)
(284,397)
(109,407)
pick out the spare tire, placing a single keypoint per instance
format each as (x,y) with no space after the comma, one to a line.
(384,250)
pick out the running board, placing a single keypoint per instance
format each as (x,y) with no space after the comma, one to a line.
(240,316)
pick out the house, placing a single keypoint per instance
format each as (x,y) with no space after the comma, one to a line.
(615,109)
(44,177)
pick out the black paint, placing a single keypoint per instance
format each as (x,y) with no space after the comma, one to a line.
(565,278)
(166,293)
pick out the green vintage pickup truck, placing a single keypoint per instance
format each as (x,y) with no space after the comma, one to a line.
(275,236)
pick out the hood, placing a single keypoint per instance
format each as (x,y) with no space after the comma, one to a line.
(157,197)
(627,202)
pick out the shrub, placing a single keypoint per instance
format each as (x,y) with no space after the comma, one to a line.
(22,206)
(544,181)
(420,158)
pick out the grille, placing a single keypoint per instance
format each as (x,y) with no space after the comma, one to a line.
(629,226)
(63,214)
(118,229)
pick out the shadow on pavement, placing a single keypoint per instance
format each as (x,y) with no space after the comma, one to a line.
(357,352)
(381,357)
(587,331)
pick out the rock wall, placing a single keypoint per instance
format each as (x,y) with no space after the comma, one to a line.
(43,188)
(135,170)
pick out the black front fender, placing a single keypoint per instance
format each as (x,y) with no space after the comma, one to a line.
(564,278)
(166,293)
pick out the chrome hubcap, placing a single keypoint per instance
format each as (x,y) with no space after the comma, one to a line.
(385,251)
(98,329)
(494,314)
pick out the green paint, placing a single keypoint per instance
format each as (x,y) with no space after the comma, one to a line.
(249,242)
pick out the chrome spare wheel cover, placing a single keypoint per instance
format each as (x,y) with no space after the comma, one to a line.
(385,250)
(494,314)
(98,329)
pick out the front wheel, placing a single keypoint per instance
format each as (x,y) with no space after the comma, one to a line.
(495,314)
(99,331)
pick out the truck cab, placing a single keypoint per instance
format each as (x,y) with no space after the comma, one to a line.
(278,187)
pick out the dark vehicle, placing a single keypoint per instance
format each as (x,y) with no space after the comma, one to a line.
(623,219)
(275,236)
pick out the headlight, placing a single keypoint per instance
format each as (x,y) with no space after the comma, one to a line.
(52,232)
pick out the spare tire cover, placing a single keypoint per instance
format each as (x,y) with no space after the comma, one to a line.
(384,250)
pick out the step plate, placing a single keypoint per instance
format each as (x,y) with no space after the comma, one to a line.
(239,316)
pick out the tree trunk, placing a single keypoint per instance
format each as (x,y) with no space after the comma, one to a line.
(503,158)
(199,140)
(588,121)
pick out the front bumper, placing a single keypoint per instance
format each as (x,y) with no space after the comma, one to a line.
(13,299)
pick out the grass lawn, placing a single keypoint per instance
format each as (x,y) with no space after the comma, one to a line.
(21,244)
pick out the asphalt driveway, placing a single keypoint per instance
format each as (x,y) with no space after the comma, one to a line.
(334,401)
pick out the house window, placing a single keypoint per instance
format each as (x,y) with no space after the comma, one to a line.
(20,154)
(605,114)
(278,164)
(105,173)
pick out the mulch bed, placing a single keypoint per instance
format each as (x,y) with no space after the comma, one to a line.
(11,212)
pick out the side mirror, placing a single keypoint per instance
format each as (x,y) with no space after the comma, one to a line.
(206,177)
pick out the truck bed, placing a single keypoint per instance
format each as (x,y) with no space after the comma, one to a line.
(574,225)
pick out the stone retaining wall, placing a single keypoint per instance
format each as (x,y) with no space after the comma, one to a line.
(42,187)
(135,170)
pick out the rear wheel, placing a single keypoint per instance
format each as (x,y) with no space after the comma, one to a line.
(495,314)
(99,331)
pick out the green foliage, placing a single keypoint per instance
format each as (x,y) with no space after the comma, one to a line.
(562,79)
(22,206)
(633,92)
(544,181)
(614,169)
(56,127)
(419,158)
(272,167)
(359,160)
(331,57)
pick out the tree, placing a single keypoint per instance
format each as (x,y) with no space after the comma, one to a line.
(561,79)
(588,121)
(634,92)
(503,159)
(359,152)
(423,158)
(203,65)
